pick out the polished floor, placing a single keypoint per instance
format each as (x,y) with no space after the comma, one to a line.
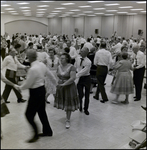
(107,127)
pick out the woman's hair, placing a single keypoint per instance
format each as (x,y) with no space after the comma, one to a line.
(123,48)
(17,46)
(68,58)
(66,49)
(124,55)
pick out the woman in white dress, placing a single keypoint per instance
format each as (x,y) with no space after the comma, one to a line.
(52,64)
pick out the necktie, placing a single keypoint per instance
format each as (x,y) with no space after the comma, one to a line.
(135,61)
(81,61)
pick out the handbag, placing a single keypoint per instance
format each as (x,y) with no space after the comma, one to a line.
(4,108)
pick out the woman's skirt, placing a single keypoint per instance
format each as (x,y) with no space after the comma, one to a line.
(123,83)
(49,84)
(67,98)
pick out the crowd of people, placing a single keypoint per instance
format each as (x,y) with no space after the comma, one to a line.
(69,68)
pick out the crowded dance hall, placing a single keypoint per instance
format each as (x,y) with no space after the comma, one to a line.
(73,74)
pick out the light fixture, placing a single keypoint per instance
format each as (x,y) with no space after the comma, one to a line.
(95,1)
(84,6)
(9,8)
(126,7)
(56,11)
(122,12)
(25,10)
(98,8)
(40,12)
(5,5)
(75,10)
(2,12)
(67,3)
(136,9)
(23,3)
(61,8)
(111,10)
(87,11)
(143,11)
(98,13)
(91,15)
(142,2)
(12,11)
(109,14)
(69,12)
(53,13)
(114,4)
(43,6)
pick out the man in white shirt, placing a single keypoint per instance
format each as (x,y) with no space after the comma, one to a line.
(117,47)
(102,60)
(83,65)
(73,52)
(11,64)
(139,70)
(88,44)
(35,83)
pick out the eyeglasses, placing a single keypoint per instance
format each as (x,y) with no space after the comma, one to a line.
(52,63)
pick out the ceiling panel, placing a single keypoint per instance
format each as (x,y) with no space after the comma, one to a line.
(96,8)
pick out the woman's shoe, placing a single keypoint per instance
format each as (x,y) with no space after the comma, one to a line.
(67,125)
(124,102)
(114,101)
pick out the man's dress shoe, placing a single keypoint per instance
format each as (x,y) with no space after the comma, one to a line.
(95,97)
(103,101)
(43,134)
(34,139)
(136,99)
(86,112)
(7,101)
(21,100)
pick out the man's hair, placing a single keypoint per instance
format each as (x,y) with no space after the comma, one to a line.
(17,46)
(103,44)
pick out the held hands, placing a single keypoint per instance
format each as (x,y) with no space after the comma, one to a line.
(17,87)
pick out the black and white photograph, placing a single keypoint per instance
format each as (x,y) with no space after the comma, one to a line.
(73,74)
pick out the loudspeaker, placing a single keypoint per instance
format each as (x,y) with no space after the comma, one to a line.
(140,32)
(76,30)
(96,31)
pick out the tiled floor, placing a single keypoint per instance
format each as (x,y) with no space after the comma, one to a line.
(107,127)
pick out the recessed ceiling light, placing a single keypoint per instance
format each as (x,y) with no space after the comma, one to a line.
(25,10)
(5,5)
(40,12)
(112,4)
(50,15)
(98,13)
(95,1)
(23,3)
(122,12)
(75,16)
(43,6)
(98,8)
(24,7)
(137,9)
(56,11)
(81,14)
(67,3)
(75,10)
(91,15)
(109,14)
(143,11)
(9,8)
(84,6)
(87,11)
(143,2)
(126,7)
(61,8)
(2,12)
(111,10)
(46,1)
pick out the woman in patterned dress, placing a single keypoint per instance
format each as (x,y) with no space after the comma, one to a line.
(66,94)
(123,83)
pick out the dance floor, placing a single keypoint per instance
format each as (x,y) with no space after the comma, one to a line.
(107,127)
